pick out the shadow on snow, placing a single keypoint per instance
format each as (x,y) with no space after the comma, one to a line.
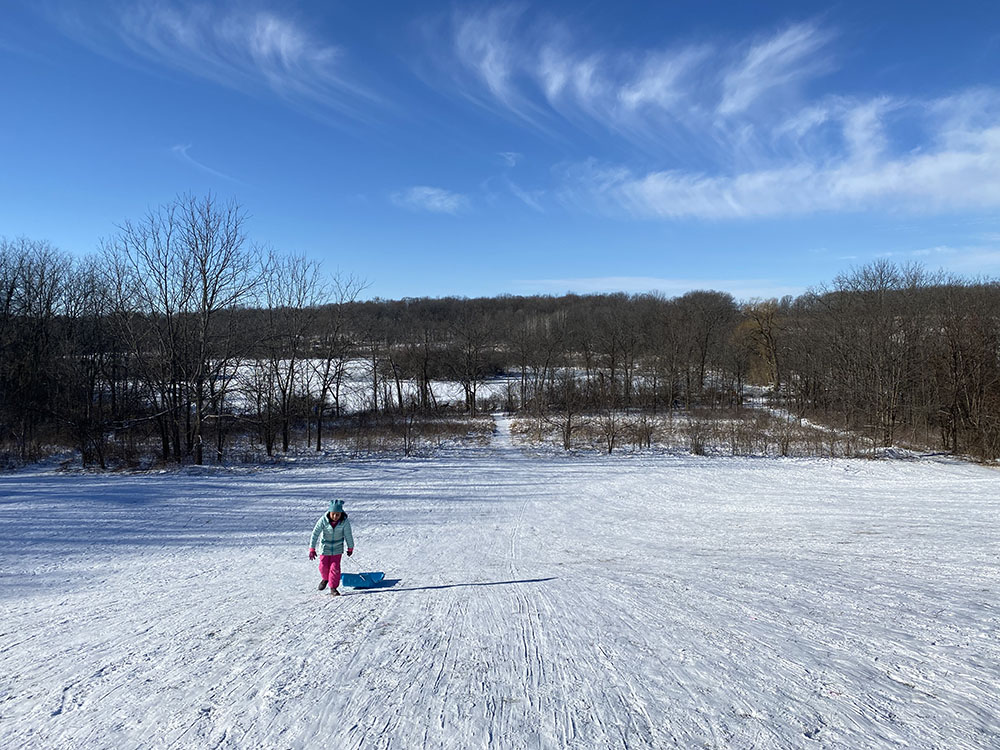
(388,585)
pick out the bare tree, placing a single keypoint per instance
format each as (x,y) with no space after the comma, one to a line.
(766,326)
(471,353)
(293,291)
(174,273)
(333,348)
(35,278)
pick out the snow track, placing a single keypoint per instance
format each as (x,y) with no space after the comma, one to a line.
(538,603)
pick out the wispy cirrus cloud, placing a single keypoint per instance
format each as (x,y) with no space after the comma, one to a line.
(662,80)
(974,259)
(432,199)
(510,158)
(957,168)
(534,69)
(730,129)
(245,47)
(181,151)
(533,199)
(775,62)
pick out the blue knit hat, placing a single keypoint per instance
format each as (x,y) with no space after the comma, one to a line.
(336,506)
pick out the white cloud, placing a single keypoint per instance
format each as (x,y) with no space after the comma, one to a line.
(776,62)
(956,170)
(181,152)
(237,46)
(510,158)
(975,261)
(728,125)
(531,198)
(535,69)
(481,43)
(662,81)
(964,259)
(435,200)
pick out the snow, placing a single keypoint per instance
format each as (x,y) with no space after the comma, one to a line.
(540,602)
(356,385)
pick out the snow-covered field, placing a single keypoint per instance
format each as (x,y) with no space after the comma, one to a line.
(539,602)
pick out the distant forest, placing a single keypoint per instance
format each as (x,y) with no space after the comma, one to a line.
(180,335)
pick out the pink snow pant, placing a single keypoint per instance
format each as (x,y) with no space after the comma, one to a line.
(329,569)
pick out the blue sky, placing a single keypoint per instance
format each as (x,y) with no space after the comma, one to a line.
(477,149)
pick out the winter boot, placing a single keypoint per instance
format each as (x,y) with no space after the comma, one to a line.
(334,592)
(322,584)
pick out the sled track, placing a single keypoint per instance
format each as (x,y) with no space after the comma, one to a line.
(541,603)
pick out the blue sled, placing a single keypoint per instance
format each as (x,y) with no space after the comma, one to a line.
(361,580)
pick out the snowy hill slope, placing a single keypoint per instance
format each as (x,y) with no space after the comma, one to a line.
(540,602)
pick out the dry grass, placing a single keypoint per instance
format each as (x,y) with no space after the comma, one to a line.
(405,434)
(745,433)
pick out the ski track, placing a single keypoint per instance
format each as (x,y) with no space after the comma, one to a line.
(542,602)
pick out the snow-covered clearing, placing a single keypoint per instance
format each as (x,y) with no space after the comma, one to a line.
(539,602)
(355,392)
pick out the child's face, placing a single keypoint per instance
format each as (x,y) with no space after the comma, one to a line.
(334,516)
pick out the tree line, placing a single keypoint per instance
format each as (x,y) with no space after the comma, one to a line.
(181,335)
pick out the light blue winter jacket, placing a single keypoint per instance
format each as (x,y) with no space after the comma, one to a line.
(333,537)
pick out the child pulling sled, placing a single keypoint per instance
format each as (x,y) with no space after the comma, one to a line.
(334,530)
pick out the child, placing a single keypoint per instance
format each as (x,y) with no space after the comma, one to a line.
(335,529)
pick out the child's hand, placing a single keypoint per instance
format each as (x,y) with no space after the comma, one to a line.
(312,553)
(350,551)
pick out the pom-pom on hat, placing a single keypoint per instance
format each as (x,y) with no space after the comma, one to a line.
(336,506)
